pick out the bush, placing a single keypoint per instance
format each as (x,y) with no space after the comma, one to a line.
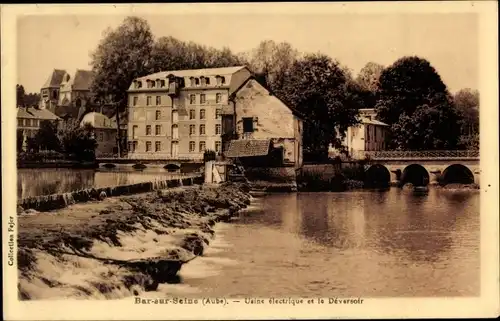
(314,181)
(40,156)
(355,172)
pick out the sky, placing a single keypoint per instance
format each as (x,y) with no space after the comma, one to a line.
(448,41)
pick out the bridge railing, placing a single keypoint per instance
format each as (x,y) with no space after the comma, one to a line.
(148,157)
(405,154)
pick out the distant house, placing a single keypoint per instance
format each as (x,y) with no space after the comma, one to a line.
(30,118)
(369,135)
(68,95)
(104,131)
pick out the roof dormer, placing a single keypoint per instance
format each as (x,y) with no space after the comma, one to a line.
(221,80)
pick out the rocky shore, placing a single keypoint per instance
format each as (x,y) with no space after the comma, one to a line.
(120,246)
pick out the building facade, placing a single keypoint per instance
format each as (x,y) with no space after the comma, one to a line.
(104,133)
(259,115)
(369,135)
(29,120)
(178,114)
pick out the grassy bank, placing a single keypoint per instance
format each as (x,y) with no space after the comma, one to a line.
(120,246)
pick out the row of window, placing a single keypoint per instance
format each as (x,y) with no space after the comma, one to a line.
(192,129)
(203,98)
(192,114)
(28,122)
(202,146)
(201,81)
(192,146)
(192,99)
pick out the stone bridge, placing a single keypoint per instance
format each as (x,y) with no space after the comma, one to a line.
(422,167)
(170,163)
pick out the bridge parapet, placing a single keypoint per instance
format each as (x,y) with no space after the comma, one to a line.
(417,155)
(146,159)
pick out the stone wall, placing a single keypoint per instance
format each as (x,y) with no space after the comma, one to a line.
(326,171)
(57,201)
(271,174)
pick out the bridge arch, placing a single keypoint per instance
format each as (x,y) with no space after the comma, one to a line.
(457,173)
(172,167)
(377,175)
(415,174)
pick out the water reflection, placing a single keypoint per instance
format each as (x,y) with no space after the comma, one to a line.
(368,244)
(34,182)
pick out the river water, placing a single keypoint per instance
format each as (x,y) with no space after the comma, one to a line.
(368,244)
(362,243)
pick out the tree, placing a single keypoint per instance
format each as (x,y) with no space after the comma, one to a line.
(369,75)
(318,88)
(26,100)
(19,140)
(414,101)
(170,53)
(79,141)
(31,99)
(271,62)
(467,106)
(31,145)
(358,95)
(46,137)
(427,128)
(20,96)
(470,142)
(121,56)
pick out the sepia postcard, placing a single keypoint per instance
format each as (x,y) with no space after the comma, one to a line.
(250,160)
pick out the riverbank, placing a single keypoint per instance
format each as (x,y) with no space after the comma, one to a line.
(58,164)
(57,201)
(120,246)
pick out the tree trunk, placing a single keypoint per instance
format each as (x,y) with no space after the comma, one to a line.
(118,134)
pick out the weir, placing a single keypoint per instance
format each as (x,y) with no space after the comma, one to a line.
(57,201)
(121,247)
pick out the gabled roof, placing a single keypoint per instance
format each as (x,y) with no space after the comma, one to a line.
(293,110)
(248,148)
(373,122)
(35,113)
(231,81)
(81,80)
(66,111)
(55,79)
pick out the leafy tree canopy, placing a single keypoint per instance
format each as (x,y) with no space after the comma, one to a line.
(169,53)
(318,87)
(369,75)
(412,98)
(78,141)
(20,95)
(467,106)
(271,62)
(122,55)
(46,137)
